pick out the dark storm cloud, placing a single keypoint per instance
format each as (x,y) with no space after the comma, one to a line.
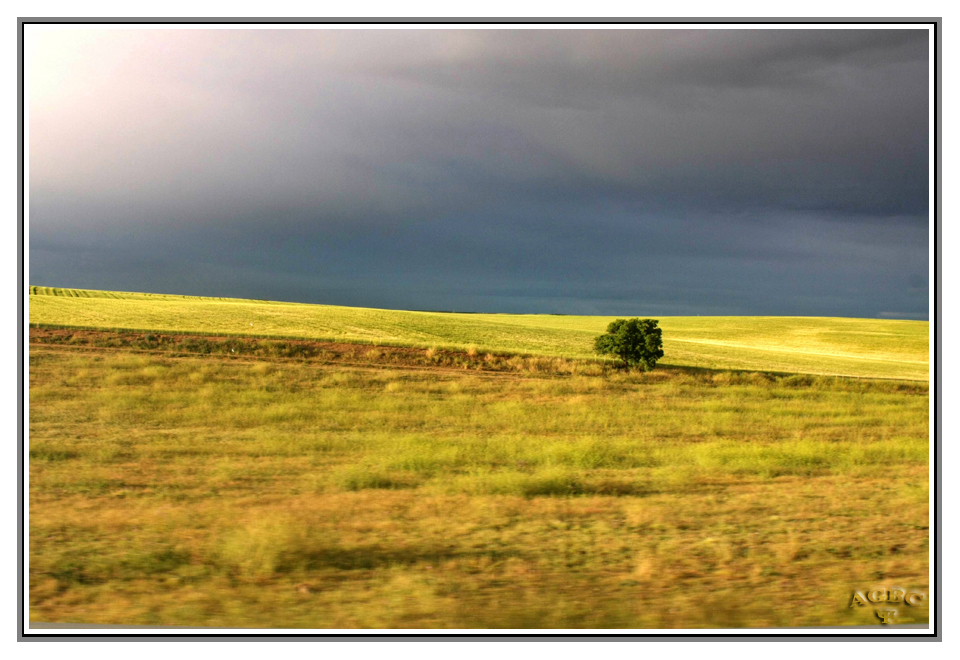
(761,171)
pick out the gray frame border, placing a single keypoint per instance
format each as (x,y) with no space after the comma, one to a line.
(936,144)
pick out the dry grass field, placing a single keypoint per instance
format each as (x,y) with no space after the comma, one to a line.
(285,490)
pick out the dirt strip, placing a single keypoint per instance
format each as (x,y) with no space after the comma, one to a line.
(315,352)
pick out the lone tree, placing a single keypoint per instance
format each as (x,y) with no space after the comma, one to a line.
(637,342)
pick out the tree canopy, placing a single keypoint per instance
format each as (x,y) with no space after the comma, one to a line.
(638,342)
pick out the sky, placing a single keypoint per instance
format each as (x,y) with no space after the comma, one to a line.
(616,172)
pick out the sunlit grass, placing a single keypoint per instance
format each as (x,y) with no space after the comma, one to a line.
(831,346)
(205,491)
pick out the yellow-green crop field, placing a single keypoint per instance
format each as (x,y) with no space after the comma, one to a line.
(261,491)
(868,348)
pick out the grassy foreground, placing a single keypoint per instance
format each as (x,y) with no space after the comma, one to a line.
(865,348)
(268,492)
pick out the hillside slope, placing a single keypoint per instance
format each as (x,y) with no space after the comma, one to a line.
(870,348)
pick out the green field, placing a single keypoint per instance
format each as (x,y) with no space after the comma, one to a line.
(204,481)
(867,348)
